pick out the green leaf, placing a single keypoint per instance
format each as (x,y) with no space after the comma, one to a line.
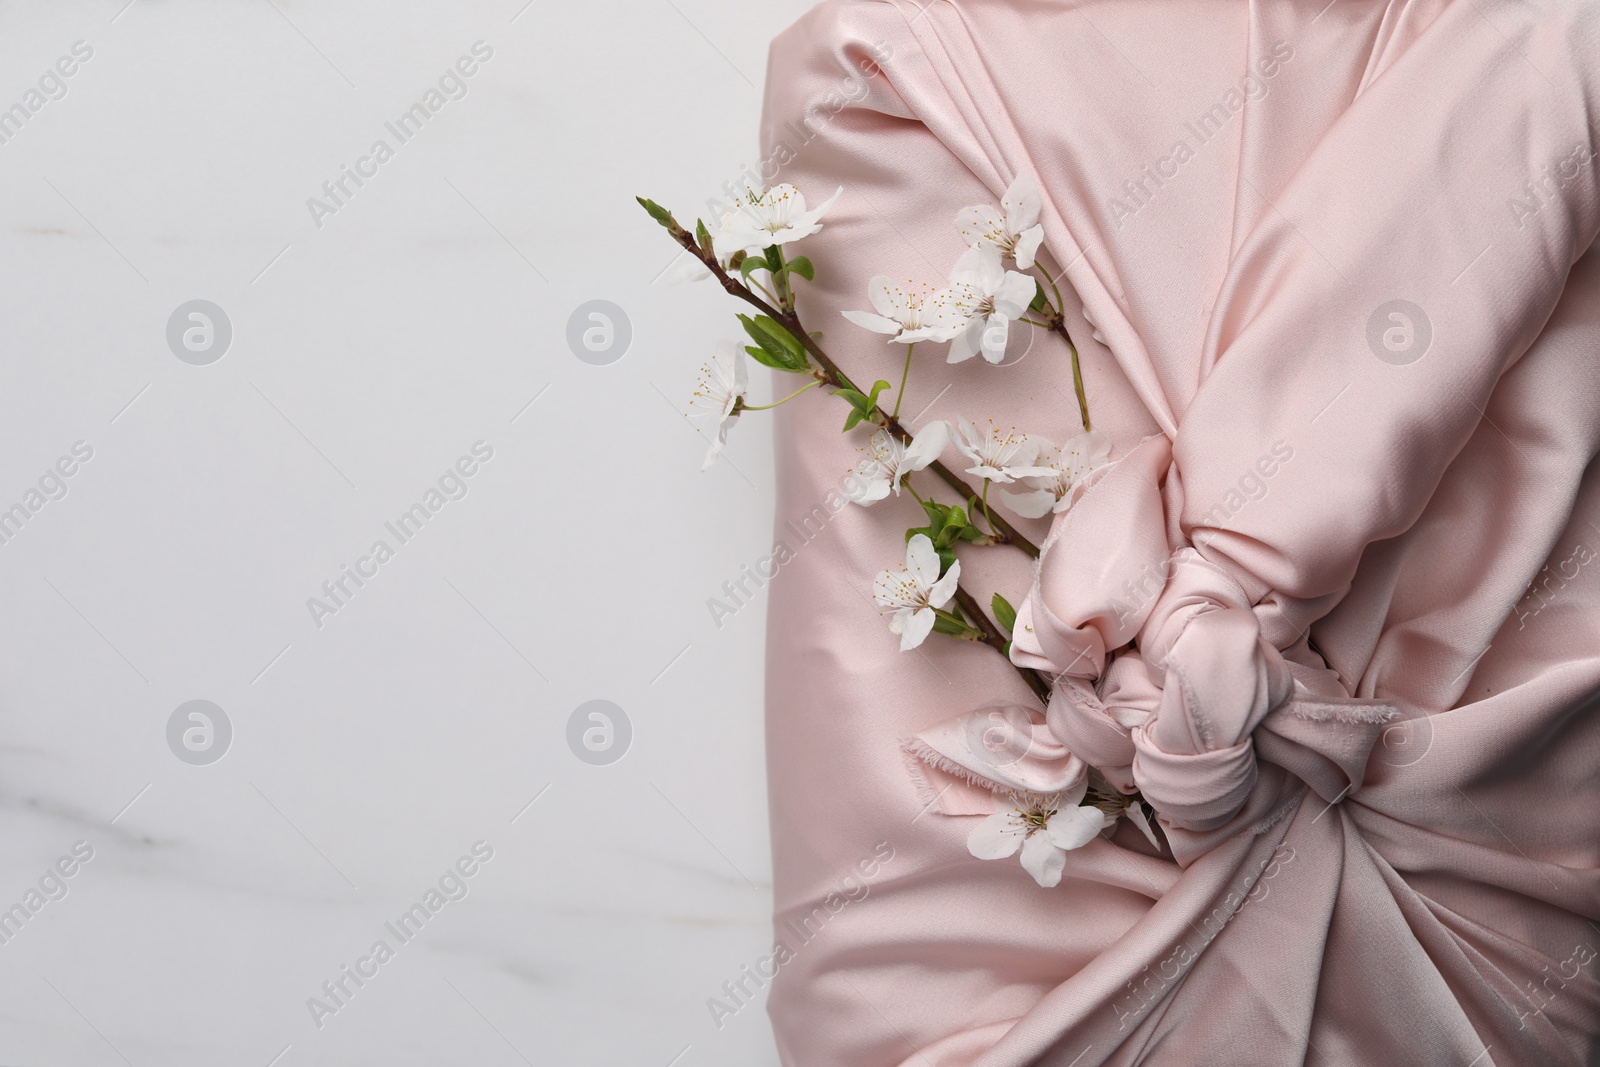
(775,356)
(763,357)
(861,405)
(774,258)
(701,234)
(1038,298)
(1004,613)
(945,626)
(659,213)
(952,521)
(802,266)
(751,263)
(857,404)
(769,326)
(783,350)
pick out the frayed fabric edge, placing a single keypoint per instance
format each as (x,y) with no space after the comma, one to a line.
(918,752)
(1353,712)
(1272,818)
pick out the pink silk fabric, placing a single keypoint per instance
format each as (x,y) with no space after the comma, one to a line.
(1365,631)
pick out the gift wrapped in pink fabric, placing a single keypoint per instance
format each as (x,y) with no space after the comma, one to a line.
(1331,606)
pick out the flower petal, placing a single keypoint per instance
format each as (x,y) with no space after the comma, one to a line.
(979,223)
(885,450)
(1015,294)
(1034,505)
(934,334)
(994,335)
(922,561)
(915,629)
(886,589)
(1071,798)
(967,343)
(719,440)
(1021,203)
(1085,452)
(1028,246)
(816,213)
(1136,815)
(889,298)
(1072,828)
(994,838)
(1042,859)
(873,489)
(969,439)
(927,445)
(990,473)
(945,587)
(969,268)
(868,321)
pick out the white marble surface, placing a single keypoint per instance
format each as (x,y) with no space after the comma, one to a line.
(369,754)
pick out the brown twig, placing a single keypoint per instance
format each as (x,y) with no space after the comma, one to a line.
(991,637)
(835,377)
(829,372)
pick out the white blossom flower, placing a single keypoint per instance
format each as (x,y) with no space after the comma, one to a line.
(890,459)
(1014,229)
(772,216)
(1058,472)
(1045,826)
(915,590)
(997,457)
(988,297)
(723,382)
(909,315)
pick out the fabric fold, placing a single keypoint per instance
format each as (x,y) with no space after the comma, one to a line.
(1330,608)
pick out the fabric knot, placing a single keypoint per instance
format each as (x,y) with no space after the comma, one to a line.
(1166,682)
(1101,724)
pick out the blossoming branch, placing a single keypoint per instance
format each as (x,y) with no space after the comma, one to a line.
(989,290)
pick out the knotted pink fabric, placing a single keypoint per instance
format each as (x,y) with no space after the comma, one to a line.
(1186,702)
(1331,608)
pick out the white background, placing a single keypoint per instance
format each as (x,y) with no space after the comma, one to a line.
(368,354)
